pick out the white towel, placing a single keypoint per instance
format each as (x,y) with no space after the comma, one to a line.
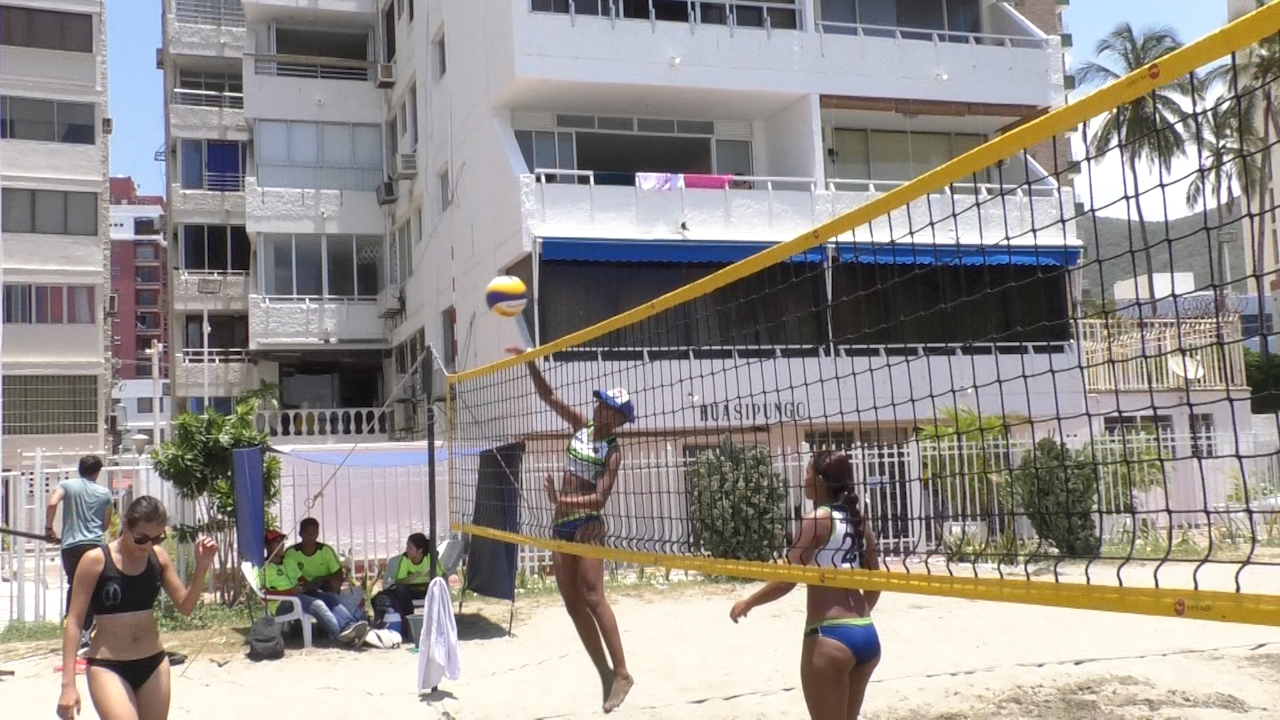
(659,181)
(438,644)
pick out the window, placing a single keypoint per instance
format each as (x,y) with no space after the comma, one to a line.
(148,275)
(773,307)
(402,246)
(215,248)
(318,45)
(46,29)
(148,298)
(214,165)
(226,332)
(410,4)
(204,89)
(546,150)
(413,114)
(321,265)
(145,226)
(49,212)
(46,121)
(896,156)
(1204,442)
(49,304)
(148,321)
(142,366)
(50,404)
(145,252)
(142,345)
(446,190)
(326,156)
(449,348)
(952,305)
(389,34)
(442,57)
(144,406)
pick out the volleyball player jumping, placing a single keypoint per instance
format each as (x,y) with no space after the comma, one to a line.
(591,470)
(841,647)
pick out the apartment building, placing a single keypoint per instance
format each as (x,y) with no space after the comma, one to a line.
(139,338)
(527,122)
(276,158)
(54,234)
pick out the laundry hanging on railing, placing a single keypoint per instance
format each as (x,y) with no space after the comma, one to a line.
(678,181)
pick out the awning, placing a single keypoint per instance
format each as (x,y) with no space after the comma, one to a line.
(918,254)
(660,251)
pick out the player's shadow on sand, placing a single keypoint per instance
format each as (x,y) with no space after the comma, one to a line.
(474,626)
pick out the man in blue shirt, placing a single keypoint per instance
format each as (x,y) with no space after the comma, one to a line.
(86,514)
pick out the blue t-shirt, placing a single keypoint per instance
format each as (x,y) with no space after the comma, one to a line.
(84,507)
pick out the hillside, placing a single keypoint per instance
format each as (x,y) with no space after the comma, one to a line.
(1112,252)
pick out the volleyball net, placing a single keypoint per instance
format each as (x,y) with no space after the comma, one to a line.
(1047,359)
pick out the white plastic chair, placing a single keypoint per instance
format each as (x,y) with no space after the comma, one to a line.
(251,577)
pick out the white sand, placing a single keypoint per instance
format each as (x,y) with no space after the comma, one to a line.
(942,659)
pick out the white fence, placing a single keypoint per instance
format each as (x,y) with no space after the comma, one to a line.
(924,498)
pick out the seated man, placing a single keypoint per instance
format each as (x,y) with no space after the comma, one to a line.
(319,565)
(281,577)
(405,580)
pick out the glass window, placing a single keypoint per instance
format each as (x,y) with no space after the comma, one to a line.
(51,213)
(75,123)
(80,304)
(82,213)
(148,274)
(148,298)
(277,259)
(308,265)
(17,303)
(304,143)
(144,252)
(30,119)
(46,29)
(17,210)
(733,157)
(191,163)
(49,308)
(852,159)
(271,141)
(193,248)
(50,404)
(368,266)
(341,269)
(367,142)
(337,144)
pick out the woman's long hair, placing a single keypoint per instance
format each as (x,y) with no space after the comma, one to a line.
(835,472)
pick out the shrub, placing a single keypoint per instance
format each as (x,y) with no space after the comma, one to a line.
(1058,490)
(737,503)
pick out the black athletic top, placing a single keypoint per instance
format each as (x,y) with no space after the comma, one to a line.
(118,593)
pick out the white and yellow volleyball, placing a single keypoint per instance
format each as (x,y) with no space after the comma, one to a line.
(507,295)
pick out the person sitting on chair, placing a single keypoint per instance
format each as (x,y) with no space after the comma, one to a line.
(405,580)
(282,577)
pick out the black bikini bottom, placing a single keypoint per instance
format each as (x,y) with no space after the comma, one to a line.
(134,672)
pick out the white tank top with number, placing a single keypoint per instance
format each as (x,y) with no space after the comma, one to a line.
(843,548)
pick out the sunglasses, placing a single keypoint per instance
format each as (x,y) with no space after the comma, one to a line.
(147,540)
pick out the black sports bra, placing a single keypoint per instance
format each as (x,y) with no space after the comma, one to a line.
(118,593)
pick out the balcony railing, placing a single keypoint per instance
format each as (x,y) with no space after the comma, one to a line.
(220,182)
(1129,355)
(213,356)
(937,36)
(212,13)
(768,15)
(326,425)
(208,99)
(312,67)
(1040,189)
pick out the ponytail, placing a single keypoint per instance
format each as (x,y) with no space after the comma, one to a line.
(835,471)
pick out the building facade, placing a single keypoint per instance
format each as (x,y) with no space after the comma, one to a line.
(276,158)
(54,239)
(139,328)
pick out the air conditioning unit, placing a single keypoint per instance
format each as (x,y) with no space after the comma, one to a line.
(406,166)
(391,302)
(113,304)
(386,77)
(209,285)
(387,194)
(107,126)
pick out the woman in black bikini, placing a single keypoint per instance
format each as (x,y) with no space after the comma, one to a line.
(128,673)
(591,469)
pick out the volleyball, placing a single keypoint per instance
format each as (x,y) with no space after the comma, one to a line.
(507,295)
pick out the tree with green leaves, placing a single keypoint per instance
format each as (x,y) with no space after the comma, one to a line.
(197,461)
(737,502)
(1148,131)
(1058,491)
(1262,372)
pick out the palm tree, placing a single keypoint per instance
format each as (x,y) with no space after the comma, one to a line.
(1227,138)
(1147,131)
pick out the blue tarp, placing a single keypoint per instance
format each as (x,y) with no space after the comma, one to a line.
(246,473)
(918,254)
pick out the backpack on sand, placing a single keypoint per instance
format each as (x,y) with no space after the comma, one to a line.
(265,640)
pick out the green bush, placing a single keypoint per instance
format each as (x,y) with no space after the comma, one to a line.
(1058,490)
(737,503)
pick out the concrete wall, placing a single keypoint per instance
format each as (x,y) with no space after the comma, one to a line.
(791,141)
(289,210)
(232,292)
(226,379)
(209,123)
(280,323)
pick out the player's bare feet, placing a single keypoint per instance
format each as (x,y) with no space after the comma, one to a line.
(622,685)
(606,682)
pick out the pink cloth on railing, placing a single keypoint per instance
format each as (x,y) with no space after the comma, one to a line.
(712,182)
(659,181)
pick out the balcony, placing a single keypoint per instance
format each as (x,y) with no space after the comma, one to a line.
(212,372)
(779,208)
(314,323)
(215,291)
(325,426)
(772,47)
(1141,356)
(206,27)
(193,113)
(308,87)
(213,200)
(303,210)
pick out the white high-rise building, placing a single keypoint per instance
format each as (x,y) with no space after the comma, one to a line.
(275,156)
(54,236)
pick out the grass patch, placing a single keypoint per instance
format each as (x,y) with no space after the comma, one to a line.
(21,632)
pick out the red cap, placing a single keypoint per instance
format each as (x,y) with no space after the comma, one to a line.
(274,535)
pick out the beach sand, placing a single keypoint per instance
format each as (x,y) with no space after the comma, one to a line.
(942,658)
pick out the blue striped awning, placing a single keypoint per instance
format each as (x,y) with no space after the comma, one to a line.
(917,254)
(660,251)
